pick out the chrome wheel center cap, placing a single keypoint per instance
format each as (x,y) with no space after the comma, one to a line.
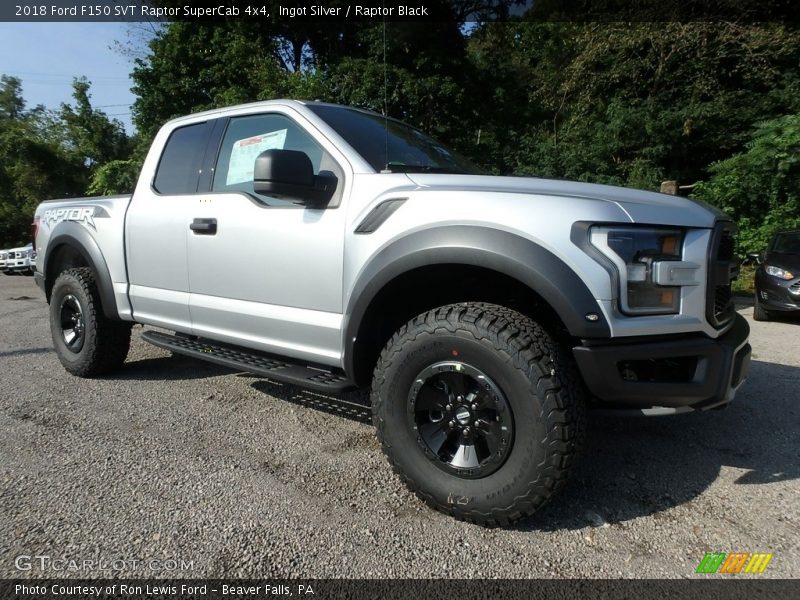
(463,416)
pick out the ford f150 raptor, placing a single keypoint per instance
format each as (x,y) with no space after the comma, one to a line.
(331,247)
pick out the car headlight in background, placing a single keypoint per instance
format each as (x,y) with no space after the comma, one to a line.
(779,273)
(648,263)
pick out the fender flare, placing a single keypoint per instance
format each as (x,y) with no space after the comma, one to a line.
(501,251)
(74,235)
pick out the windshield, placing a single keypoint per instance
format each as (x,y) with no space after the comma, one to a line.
(410,150)
(787,243)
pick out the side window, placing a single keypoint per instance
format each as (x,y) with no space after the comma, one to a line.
(179,167)
(247,137)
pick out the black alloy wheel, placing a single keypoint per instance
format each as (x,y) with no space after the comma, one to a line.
(463,420)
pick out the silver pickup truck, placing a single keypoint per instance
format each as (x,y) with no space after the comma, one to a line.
(331,247)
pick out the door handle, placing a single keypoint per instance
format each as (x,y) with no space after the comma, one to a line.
(204,226)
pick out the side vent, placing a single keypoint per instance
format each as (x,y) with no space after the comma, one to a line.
(378,215)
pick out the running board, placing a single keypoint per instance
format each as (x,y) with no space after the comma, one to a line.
(252,361)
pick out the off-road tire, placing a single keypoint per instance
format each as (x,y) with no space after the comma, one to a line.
(759,312)
(540,382)
(105,342)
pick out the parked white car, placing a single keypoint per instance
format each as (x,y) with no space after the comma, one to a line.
(19,259)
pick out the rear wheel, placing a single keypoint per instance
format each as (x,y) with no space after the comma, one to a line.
(86,342)
(479,411)
(759,312)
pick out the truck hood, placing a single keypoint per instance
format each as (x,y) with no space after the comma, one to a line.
(639,205)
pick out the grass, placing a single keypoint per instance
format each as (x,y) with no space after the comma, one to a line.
(743,285)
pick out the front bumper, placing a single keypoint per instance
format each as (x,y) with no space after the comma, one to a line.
(776,294)
(690,371)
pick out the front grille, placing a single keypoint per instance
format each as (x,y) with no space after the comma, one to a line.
(721,271)
(722,300)
(726,243)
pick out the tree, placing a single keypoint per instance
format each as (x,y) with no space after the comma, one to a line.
(89,133)
(637,103)
(12,104)
(195,67)
(760,187)
(33,164)
(426,74)
(47,155)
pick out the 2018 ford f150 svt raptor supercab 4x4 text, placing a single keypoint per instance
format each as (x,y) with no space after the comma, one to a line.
(331,247)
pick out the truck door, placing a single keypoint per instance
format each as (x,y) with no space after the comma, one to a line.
(265,272)
(157,227)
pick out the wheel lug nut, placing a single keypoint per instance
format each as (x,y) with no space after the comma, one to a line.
(449,407)
(474,407)
(466,430)
(452,424)
(476,424)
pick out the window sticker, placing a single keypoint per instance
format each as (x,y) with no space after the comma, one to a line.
(245,152)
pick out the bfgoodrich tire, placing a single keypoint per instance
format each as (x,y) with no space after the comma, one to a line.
(479,411)
(86,342)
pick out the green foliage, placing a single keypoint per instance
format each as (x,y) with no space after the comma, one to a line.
(760,187)
(114,177)
(425,85)
(12,104)
(634,104)
(89,134)
(744,285)
(194,67)
(48,155)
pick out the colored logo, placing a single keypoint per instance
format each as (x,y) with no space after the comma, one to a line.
(733,563)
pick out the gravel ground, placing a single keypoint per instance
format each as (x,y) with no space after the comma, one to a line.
(230,475)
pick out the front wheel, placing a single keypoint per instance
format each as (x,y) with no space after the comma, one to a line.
(759,312)
(86,342)
(479,411)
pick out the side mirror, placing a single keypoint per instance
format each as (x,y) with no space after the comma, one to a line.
(289,174)
(754,258)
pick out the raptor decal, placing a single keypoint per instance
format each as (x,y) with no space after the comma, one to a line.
(81,214)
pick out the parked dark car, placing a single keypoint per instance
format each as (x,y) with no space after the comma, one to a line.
(778,277)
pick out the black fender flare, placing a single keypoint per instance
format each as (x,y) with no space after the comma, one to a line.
(501,251)
(74,235)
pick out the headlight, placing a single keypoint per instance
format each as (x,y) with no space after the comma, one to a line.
(779,273)
(648,263)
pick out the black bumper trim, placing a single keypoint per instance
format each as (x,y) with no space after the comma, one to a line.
(722,366)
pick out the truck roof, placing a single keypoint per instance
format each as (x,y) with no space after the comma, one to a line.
(215,112)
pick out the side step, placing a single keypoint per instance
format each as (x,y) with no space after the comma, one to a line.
(251,361)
